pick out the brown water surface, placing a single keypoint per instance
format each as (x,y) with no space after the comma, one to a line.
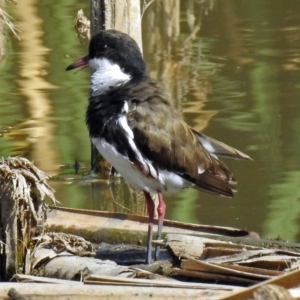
(232,68)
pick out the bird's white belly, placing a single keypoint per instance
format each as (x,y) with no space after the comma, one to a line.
(164,181)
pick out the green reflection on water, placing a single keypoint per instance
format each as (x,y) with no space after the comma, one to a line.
(284,209)
(238,80)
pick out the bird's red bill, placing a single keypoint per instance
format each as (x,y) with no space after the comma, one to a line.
(79,63)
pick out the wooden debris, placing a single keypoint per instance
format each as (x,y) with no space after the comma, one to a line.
(96,279)
(38,279)
(233,270)
(233,280)
(117,228)
(137,286)
(208,259)
(203,257)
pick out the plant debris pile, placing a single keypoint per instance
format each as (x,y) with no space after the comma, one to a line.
(23,188)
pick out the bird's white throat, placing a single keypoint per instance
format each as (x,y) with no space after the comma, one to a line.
(107,75)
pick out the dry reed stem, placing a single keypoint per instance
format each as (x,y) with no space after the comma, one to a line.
(9,22)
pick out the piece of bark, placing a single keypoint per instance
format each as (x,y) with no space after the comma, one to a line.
(196,265)
(233,280)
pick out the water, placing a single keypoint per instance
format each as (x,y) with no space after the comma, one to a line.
(236,79)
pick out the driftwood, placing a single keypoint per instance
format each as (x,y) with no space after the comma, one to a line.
(96,279)
(79,291)
(163,288)
(206,258)
(75,290)
(117,228)
(201,258)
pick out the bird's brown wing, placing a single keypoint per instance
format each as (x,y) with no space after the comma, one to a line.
(164,138)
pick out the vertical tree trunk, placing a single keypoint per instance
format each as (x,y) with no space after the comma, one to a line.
(123,15)
(97,15)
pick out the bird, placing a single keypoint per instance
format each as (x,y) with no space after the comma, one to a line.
(134,126)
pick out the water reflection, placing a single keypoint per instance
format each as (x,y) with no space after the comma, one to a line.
(38,127)
(231,66)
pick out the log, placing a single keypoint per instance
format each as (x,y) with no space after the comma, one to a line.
(115,228)
(49,291)
(117,14)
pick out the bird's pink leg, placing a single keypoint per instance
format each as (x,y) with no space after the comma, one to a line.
(161,210)
(150,208)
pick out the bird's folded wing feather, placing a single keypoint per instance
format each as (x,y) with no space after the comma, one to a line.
(218,148)
(164,138)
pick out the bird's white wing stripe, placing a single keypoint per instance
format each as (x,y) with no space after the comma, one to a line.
(147,166)
(123,123)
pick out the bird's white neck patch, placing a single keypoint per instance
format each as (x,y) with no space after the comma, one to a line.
(107,75)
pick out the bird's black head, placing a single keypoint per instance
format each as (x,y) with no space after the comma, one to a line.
(119,48)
